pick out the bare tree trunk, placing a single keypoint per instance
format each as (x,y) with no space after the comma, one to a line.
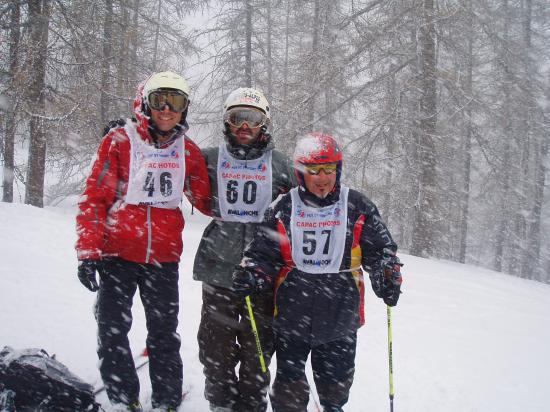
(39,27)
(424,230)
(123,53)
(132,53)
(467,142)
(532,263)
(327,39)
(105,106)
(390,148)
(315,44)
(527,181)
(248,44)
(134,42)
(157,35)
(287,47)
(269,89)
(9,137)
(503,229)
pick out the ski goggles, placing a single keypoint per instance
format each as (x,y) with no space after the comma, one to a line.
(238,116)
(327,168)
(175,100)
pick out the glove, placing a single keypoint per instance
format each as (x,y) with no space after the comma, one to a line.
(86,274)
(247,282)
(113,124)
(386,278)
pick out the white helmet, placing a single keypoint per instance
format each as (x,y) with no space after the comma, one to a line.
(165,80)
(245,96)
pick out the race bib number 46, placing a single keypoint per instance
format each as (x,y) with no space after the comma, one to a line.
(156,174)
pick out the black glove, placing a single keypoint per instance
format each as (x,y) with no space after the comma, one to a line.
(113,124)
(386,278)
(247,282)
(86,274)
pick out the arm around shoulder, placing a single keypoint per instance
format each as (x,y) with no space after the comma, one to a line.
(197,183)
(284,171)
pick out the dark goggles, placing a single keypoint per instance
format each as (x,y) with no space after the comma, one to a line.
(238,116)
(328,168)
(176,101)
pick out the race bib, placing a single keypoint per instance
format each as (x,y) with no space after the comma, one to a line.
(318,234)
(244,187)
(156,175)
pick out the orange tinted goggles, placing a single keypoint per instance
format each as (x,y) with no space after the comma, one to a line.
(176,101)
(327,168)
(238,116)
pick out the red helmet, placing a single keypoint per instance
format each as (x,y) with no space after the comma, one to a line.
(315,148)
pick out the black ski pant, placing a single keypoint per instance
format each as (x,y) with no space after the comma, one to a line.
(158,289)
(225,338)
(333,366)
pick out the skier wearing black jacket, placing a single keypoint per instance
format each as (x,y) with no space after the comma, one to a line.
(245,174)
(312,246)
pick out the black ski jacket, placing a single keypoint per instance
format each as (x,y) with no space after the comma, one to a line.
(319,308)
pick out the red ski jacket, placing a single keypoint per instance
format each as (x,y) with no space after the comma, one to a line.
(108,226)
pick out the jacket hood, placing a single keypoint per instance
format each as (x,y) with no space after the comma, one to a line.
(141,118)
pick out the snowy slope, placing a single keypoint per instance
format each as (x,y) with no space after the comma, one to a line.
(465,338)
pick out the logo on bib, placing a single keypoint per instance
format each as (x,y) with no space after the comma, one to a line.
(336,212)
(242,212)
(317,262)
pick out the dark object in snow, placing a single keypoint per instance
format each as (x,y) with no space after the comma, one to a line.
(42,383)
(113,124)
(87,274)
(247,282)
(386,278)
(7,400)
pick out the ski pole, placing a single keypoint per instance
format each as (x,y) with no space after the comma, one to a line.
(255,332)
(390,357)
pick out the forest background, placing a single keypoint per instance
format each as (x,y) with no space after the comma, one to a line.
(442,107)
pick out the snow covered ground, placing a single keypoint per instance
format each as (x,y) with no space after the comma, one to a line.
(465,339)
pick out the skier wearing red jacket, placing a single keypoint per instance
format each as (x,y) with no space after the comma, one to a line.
(129,231)
(312,247)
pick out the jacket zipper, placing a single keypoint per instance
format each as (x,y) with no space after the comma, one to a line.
(149,235)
